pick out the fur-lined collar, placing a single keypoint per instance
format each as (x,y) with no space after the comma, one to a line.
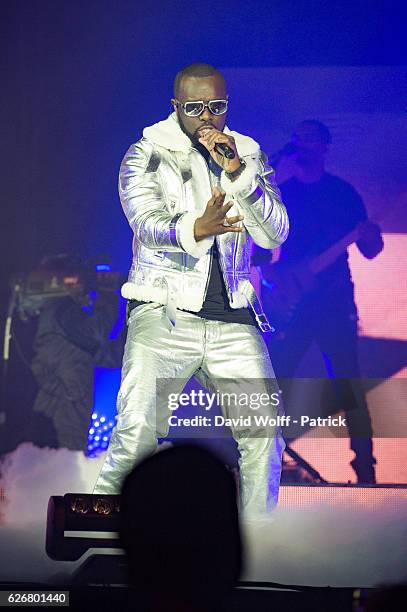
(169,135)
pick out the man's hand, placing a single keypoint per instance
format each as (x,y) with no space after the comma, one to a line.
(214,220)
(209,137)
(370,241)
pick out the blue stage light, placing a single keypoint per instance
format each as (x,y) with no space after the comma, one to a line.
(106,387)
(103,267)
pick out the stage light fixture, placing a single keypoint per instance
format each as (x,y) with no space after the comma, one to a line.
(77,522)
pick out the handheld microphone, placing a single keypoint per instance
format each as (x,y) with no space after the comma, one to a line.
(225,151)
(288,149)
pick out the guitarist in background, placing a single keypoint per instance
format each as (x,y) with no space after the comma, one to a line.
(323,208)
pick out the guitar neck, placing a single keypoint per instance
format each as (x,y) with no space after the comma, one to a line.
(330,255)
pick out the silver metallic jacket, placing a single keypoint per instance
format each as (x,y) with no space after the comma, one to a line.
(164,186)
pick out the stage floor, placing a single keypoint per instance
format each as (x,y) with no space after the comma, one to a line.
(324,535)
(339,536)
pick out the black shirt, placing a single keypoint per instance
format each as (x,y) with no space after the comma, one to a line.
(321,213)
(216,305)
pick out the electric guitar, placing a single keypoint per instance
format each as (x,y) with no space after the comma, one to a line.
(283,284)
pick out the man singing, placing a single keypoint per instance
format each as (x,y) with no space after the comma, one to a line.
(192,308)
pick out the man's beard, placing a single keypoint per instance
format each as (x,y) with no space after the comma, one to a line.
(194,137)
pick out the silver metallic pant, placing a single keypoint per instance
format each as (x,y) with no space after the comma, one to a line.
(210,351)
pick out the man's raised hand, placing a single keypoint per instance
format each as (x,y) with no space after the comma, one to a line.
(214,220)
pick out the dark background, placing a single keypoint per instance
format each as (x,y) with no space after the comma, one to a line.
(82,78)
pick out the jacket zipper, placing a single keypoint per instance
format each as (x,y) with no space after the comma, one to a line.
(224,276)
(211,251)
(235,247)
